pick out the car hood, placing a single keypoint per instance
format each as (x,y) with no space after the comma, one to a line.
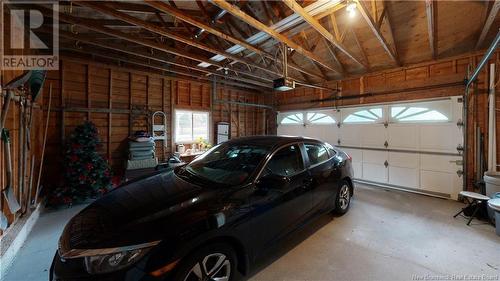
(137,212)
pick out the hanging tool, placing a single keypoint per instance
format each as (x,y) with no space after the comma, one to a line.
(32,170)
(8,191)
(43,146)
(35,82)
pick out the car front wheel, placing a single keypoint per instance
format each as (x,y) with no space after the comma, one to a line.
(343,199)
(213,262)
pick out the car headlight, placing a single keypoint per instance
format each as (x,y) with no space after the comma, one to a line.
(113,261)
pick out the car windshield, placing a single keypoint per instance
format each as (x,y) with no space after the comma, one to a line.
(228,164)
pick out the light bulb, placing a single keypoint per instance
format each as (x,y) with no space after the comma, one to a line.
(351,9)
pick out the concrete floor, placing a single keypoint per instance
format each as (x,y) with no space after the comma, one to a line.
(386,235)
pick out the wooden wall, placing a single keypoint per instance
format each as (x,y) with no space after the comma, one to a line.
(420,81)
(120,101)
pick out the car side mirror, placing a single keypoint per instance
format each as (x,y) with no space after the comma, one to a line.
(273,181)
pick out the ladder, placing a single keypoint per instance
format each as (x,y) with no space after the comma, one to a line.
(159,131)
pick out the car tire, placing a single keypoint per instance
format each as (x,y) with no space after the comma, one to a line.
(216,260)
(343,198)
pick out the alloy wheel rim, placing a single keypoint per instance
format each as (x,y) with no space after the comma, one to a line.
(213,267)
(344,197)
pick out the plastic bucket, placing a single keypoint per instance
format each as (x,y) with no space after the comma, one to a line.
(492,181)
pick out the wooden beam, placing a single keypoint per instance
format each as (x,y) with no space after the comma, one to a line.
(376,31)
(294,6)
(138,40)
(165,32)
(431,26)
(163,61)
(235,11)
(164,7)
(185,75)
(360,47)
(488,22)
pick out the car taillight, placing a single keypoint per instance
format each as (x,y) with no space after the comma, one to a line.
(348,156)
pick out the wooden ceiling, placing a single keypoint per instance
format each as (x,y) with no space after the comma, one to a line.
(324,45)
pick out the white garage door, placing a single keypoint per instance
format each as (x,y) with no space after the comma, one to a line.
(415,146)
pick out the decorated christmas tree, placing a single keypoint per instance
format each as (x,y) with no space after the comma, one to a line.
(86,173)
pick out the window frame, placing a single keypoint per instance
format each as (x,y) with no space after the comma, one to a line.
(292,124)
(270,156)
(428,106)
(192,112)
(354,111)
(309,166)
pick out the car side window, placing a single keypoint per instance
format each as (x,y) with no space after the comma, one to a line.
(331,150)
(286,162)
(317,153)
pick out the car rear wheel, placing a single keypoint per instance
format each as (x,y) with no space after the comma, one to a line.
(343,199)
(213,262)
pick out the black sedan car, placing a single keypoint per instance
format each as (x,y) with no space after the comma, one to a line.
(209,219)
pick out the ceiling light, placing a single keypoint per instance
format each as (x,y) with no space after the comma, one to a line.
(351,9)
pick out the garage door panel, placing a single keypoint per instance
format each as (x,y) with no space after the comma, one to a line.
(441,163)
(350,135)
(374,172)
(406,177)
(357,169)
(438,137)
(373,135)
(328,133)
(435,181)
(291,130)
(402,136)
(374,157)
(356,154)
(405,160)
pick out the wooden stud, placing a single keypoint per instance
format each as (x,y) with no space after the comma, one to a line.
(376,31)
(488,22)
(431,26)
(294,6)
(237,12)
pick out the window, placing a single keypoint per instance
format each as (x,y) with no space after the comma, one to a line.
(294,118)
(228,163)
(331,151)
(319,118)
(191,125)
(316,153)
(415,113)
(364,116)
(286,162)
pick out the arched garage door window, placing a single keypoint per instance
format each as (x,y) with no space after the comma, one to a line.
(417,114)
(319,118)
(370,115)
(293,119)
(312,118)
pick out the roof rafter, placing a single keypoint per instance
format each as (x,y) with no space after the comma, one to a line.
(488,22)
(294,6)
(237,12)
(165,32)
(164,7)
(136,39)
(376,31)
(431,25)
(116,47)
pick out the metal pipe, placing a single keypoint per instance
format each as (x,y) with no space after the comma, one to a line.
(485,59)
(468,82)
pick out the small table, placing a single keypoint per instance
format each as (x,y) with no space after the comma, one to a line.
(473,200)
